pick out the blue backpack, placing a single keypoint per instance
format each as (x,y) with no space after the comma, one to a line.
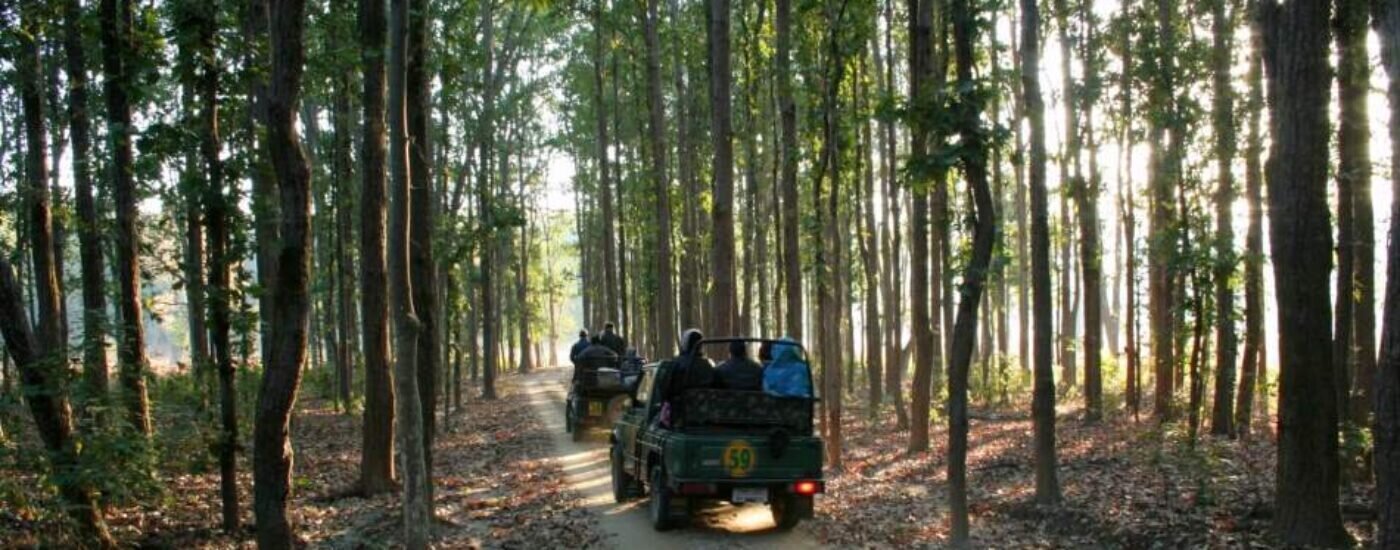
(788,375)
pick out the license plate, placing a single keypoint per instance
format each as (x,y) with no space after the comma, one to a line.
(750,494)
(595,408)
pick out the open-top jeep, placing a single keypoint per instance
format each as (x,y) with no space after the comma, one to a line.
(707,443)
(597,394)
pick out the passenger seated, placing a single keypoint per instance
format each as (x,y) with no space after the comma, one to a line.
(612,339)
(788,375)
(739,372)
(690,369)
(595,350)
(579,346)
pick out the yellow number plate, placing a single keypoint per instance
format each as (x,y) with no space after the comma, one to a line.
(739,458)
(595,408)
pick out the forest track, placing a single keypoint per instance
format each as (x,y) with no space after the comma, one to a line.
(585,463)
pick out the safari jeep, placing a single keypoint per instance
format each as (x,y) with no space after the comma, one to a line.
(715,444)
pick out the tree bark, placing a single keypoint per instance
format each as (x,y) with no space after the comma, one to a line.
(1295,55)
(485,203)
(870,260)
(131,345)
(265,206)
(974,166)
(1047,484)
(656,109)
(216,208)
(723,314)
(95,373)
(421,204)
(417,511)
(377,443)
(1087,190)
(605,186)
(1222,412)
(272,459)
(787,113)
(1163,181)
(925,342)
(1252,366)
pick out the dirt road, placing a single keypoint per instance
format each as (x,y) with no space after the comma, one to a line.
(586,465)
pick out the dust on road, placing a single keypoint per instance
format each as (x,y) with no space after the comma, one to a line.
(585,463)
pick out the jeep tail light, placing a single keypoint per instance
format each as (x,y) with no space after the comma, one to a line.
(697,489)
(808,487)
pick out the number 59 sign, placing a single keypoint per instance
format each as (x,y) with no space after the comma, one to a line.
(739,458)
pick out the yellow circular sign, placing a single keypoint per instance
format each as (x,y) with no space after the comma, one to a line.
(739,458)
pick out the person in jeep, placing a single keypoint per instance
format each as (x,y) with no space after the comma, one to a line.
(613,340)
(595,350)
(739,372)
(579,346)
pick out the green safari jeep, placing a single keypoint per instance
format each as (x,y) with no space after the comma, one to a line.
(715,444)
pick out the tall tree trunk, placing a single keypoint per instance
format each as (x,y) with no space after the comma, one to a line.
(377,441)
(656,109)
(417,96)
(1126,200)
(1295,54)
(605,186)
(1072,182)
(272,459)
(925,342)
(265,206)
(48,295)
(825,206)
(890,232)
(95,373)
(131,347)
(485,202)
(974,166)
(1222,412)
(1023,236)
(1088,188)
(1163,180)
(343,199)
(723,314)
(411,432)
(787,112)
(1353,177)
(216,219)
(870,257)
(49,404)
(1252,366)
(1047,484)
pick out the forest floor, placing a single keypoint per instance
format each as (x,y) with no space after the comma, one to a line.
(496,486)
(509,477)
(1125,485)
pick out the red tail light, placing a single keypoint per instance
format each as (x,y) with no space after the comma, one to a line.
(808,487)
(697,489)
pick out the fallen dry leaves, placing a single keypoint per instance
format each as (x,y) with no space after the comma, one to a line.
(1125,485)
(494,485)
